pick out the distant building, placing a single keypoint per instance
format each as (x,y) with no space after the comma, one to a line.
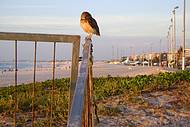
(187,52)
(163,59)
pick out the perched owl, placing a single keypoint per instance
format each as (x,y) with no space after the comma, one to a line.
(89,24)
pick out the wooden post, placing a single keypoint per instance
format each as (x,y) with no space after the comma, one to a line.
(15,87)
(78,115)
(33,85)
(74,70)
(91,99)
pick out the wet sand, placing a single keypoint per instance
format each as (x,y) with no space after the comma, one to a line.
(100,69)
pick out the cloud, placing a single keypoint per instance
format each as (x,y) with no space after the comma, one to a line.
(37,21)
(133,25)
(112,25)
(40,24)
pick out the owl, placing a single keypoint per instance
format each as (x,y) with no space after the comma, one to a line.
(89,24)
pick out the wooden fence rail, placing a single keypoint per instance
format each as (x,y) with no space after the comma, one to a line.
(52,38)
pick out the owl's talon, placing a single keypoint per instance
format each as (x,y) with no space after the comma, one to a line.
(88,38)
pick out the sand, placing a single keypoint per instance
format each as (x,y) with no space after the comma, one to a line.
(100,69)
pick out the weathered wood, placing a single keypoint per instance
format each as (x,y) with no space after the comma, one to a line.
(87,104)
(16,79)
(74,69)
(74,39)
(91,99)
(39,37)
(34,84)
(53,86)
(78,101)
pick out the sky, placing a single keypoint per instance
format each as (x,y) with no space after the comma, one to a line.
(124,25)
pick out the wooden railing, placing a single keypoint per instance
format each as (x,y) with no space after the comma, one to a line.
(50,38)
(81,88)
(81,113)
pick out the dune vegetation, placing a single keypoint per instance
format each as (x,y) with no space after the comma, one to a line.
(104,87)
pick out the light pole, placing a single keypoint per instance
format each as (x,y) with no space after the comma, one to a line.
(132,55)
(174,33)
(143,58)
(112,52)
(184,38)
(160,61)
(117,53)
(174,27)
(168,39)
(151,54)
(172,37)
(170,43)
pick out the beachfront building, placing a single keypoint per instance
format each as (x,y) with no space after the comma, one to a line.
(187,57)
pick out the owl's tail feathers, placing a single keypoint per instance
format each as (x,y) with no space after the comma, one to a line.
(98,33)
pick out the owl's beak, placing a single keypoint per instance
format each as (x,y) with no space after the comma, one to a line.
(82,18)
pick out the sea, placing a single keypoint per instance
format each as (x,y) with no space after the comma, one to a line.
(23,65)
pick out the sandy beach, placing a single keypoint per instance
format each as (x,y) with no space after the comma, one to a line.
(100,69)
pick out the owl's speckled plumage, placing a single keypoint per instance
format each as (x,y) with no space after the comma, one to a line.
(89,24)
